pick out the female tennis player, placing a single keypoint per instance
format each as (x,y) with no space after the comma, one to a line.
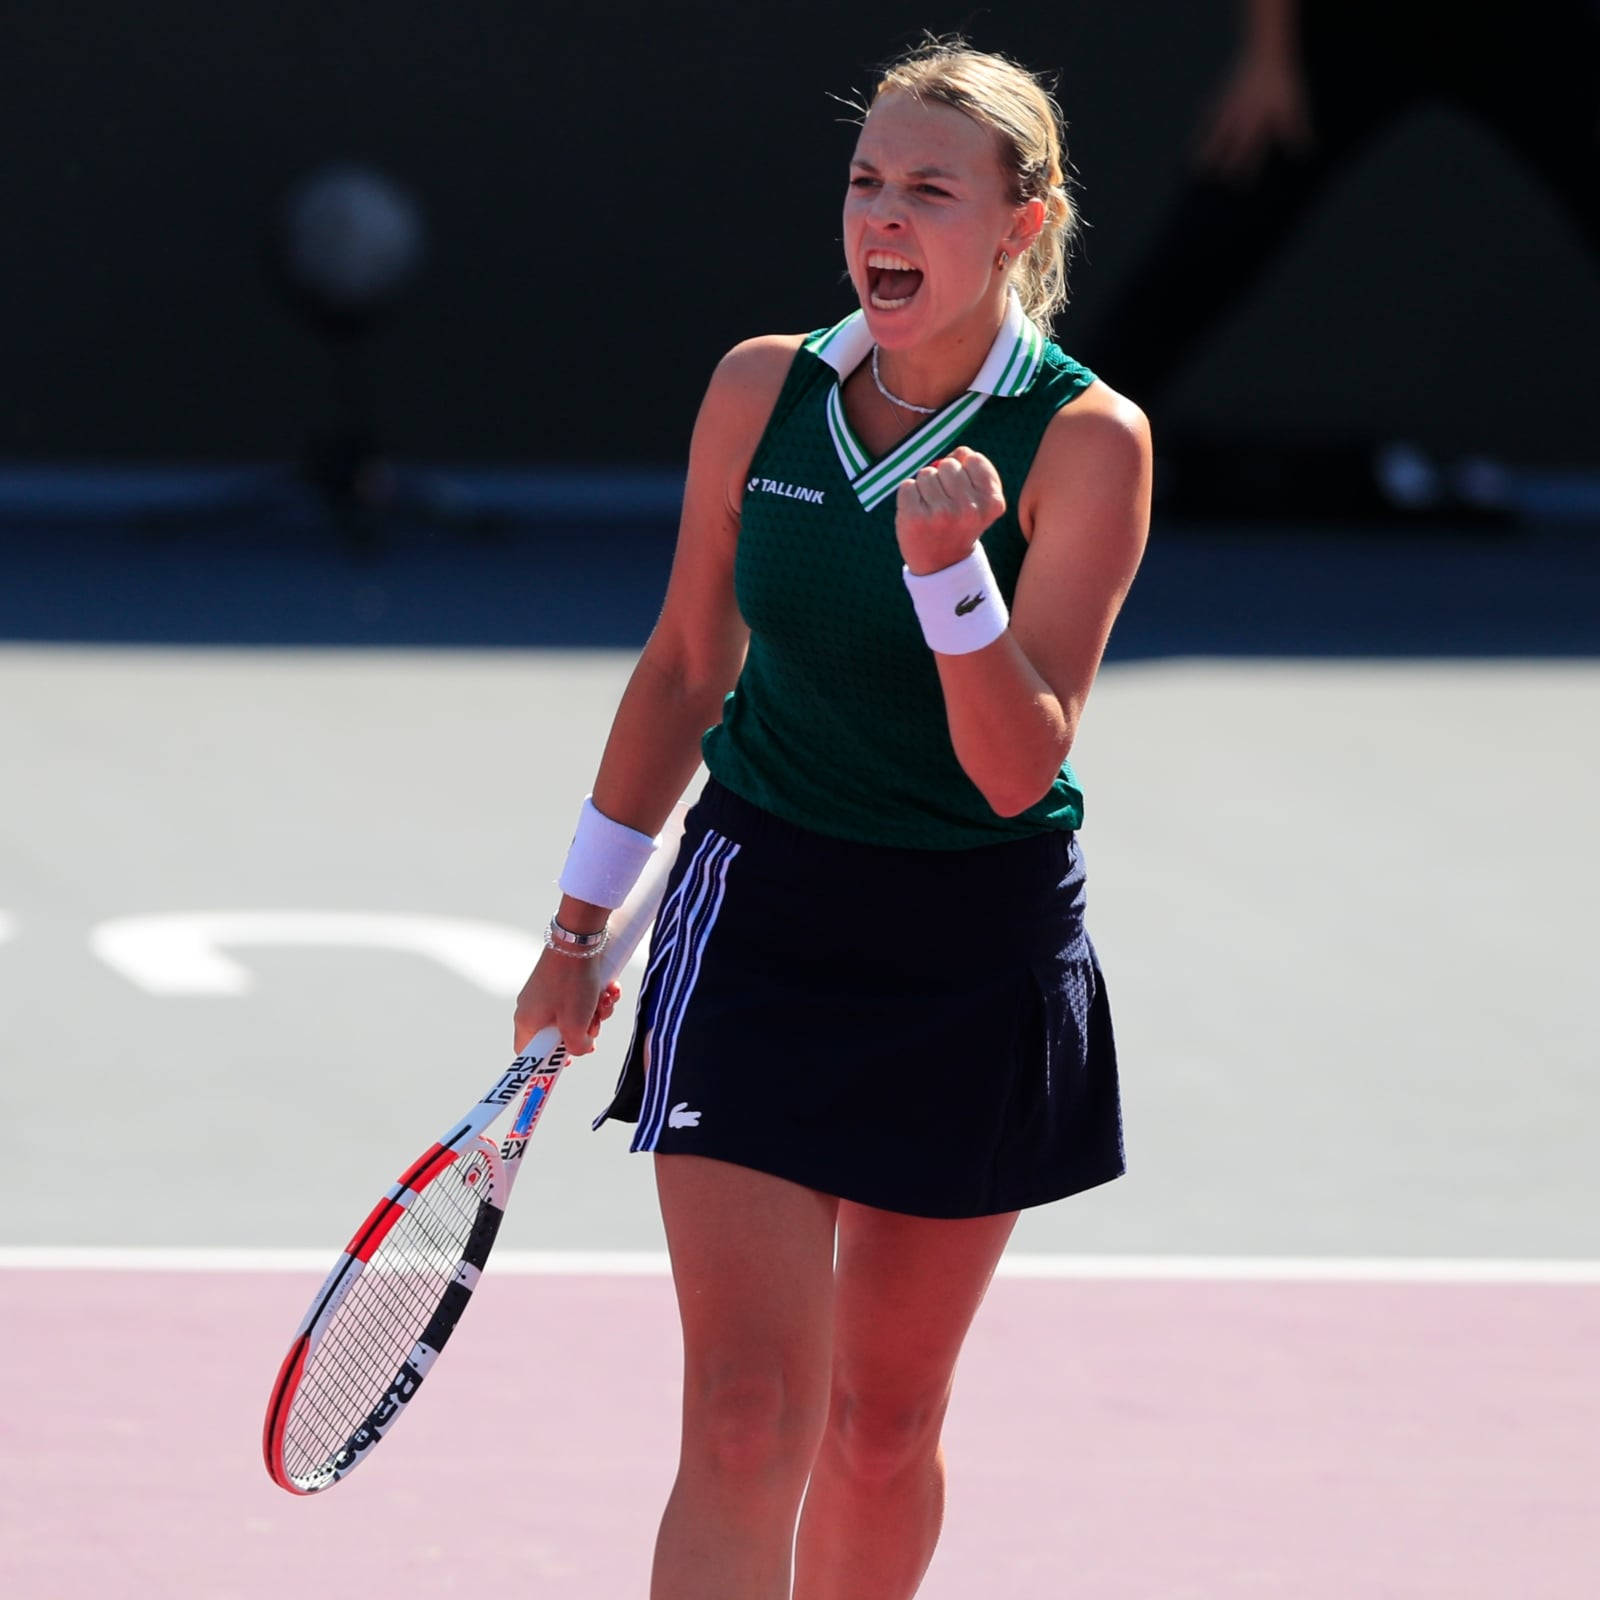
(873,1027)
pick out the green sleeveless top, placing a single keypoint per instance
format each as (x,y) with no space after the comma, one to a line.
(837,722)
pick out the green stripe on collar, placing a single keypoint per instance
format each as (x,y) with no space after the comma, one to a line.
(1008,370)
(926,445)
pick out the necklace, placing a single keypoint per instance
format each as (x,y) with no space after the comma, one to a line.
(894,399)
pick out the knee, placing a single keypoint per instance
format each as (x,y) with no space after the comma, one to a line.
(878,1438)
(744,1423)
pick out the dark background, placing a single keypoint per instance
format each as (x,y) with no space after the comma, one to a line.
(619,192)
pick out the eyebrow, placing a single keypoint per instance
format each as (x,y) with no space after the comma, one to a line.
(915,172)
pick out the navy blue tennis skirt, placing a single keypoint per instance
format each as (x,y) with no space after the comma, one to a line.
(924,1031)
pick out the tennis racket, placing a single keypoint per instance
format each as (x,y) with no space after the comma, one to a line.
(378,1323)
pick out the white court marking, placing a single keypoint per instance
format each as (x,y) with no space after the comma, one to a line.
(652,1263)
(186,953)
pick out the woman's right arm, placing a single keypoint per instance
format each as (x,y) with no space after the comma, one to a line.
(688,664)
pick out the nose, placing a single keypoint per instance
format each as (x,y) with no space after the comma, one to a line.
(888,209)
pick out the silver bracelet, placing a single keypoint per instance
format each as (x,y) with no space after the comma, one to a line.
(580,946)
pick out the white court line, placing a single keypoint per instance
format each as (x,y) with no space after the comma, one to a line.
(651,1263)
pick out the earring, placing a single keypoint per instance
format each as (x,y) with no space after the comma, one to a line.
(1004,261)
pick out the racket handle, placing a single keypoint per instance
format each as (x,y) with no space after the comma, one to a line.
(631,920)
(533,1073)
(628,923)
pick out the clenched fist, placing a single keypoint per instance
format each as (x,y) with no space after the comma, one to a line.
(942,512)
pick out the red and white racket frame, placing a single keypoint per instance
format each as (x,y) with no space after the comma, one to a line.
(527,1082)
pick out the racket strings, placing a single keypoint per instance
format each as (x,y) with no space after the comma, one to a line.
(361,1351)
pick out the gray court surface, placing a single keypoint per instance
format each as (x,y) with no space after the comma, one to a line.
(1346,910)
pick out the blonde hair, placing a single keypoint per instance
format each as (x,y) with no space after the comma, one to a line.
(1023,115)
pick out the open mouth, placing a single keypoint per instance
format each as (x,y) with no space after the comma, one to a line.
(892,281)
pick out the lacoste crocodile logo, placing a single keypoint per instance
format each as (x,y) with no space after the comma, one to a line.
(680,1116)
(969,602)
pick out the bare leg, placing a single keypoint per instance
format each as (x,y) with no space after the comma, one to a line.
(752,1258)
(906,1290)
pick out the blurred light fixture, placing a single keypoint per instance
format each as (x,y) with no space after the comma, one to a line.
(349,242)
(346,243)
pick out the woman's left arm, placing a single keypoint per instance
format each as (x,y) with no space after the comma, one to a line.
(1013,706)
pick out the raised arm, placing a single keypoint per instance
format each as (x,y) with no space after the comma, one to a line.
(688,664)
(1013,706)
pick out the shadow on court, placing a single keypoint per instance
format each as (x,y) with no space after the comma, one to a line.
(1204,589)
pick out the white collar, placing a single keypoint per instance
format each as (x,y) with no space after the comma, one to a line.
(1009,369)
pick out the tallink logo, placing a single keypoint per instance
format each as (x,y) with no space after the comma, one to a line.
(789,491)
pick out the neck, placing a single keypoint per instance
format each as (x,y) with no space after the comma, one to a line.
(935,370)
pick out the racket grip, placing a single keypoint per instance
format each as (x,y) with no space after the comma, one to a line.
(628,924)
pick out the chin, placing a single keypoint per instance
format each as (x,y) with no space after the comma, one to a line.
(895,330)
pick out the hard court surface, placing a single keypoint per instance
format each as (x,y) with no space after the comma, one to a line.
(262,911)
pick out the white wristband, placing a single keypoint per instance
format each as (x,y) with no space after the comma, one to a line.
(960,607)
(605,860)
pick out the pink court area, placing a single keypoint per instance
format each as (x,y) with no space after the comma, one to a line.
(1146,1440)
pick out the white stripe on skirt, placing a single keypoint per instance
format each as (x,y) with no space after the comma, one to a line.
(706,883)
(663,941)
(687,902)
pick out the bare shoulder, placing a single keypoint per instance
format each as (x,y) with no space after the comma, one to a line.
(733,416)
(755,370)
(1101,431)
(1092,468)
